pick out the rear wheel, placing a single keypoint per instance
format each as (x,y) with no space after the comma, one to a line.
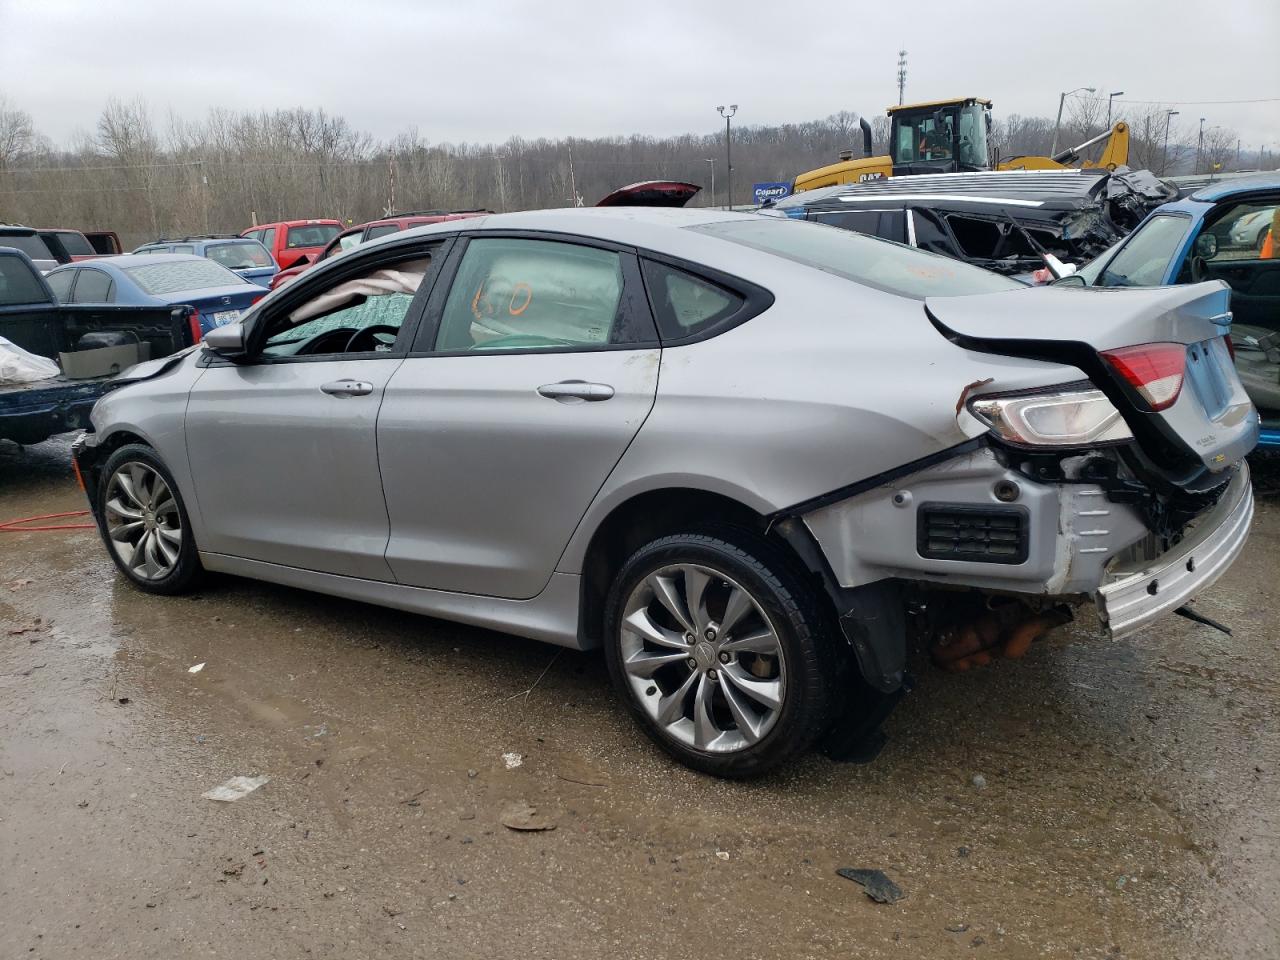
(717,649)
(144,522)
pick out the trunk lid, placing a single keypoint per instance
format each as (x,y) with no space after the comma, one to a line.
(1209,427)
(219,306)
(651,193)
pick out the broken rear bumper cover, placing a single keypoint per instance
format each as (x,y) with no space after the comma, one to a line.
(974,522)
(1137,592)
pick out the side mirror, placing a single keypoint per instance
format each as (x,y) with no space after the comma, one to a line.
(1207,246)
(226,341)
(1071,280)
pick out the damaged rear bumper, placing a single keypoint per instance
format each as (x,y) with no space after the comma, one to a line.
(1138,592)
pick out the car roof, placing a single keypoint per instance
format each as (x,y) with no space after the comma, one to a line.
(134,260)
(1236,186)
(638,226)
(322,222)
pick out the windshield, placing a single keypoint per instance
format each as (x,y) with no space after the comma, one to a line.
(1144,260)
(159,279)
(29,244)
(239,255)
(312,235)
(891,267)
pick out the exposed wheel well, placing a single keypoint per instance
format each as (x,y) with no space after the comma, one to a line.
(104,448)
(647,517)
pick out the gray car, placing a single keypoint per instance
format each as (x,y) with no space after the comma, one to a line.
(757,460)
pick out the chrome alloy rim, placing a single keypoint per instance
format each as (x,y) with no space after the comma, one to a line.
(702,658)
(143,523)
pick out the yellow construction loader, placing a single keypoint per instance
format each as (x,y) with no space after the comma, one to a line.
(951,136)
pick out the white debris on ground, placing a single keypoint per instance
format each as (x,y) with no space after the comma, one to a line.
(196,669)
(512,760)
(235,788)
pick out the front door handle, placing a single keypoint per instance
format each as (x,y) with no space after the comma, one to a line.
(347,388)
(575,391)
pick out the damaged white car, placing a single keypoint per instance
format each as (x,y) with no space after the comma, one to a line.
(755,460)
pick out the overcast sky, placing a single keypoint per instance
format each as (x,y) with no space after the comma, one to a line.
(482,70)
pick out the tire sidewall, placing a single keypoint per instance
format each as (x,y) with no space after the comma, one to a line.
(781,598)
(188,566)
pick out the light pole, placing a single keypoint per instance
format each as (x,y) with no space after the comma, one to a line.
(1110,97)
(1164,154)
(1061,100)
(712,161)
(1200,145)
(728,152)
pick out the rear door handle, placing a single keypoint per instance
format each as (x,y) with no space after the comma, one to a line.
(575,391)
(347,388)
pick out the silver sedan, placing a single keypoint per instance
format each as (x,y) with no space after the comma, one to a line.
(755,460)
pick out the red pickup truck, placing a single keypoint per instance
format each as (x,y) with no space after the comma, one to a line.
(294,241)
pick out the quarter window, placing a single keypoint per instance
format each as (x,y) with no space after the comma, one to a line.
(1143,261)
(687,306)
(518,294)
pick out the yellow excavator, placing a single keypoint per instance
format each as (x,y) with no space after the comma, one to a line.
(951,136)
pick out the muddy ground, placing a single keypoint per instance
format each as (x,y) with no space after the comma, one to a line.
(1127,801)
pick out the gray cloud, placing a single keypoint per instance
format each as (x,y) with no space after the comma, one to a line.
(488,69)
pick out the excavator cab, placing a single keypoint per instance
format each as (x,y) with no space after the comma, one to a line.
(946,136)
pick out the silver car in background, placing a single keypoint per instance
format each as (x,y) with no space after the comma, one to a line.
(756,460)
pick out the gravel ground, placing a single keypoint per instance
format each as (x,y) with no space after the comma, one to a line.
(1096,799)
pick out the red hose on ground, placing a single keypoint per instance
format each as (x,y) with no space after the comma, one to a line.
(17,526)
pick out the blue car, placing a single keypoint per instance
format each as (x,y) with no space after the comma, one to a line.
(249,258)
(159,279)
(1182,242)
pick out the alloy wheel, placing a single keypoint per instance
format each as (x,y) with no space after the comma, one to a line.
(143,522)
(702,658)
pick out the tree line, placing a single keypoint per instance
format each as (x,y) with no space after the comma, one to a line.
(220,174)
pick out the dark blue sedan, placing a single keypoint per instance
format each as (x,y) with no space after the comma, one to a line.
(160,279)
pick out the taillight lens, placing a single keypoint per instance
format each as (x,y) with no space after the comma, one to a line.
(196,334)
(1231,347)
(256,299)
(1155,370)
(1072,418)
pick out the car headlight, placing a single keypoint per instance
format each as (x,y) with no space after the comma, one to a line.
(1071,418)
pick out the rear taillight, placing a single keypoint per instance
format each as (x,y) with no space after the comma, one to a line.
(1231,347)
(256,299)
(1155,370)
(196,333)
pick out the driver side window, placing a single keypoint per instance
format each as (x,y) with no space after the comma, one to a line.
(354,315)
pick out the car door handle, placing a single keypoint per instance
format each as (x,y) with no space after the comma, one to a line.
(575,391)
(347,388)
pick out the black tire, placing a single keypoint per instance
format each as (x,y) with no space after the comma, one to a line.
(187,571)
(809,653)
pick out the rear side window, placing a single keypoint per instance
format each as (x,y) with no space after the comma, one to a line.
(18,284)
(382,231)
(517,294)
(184,248)
(874,263)
(93,286)
(686,306)
(60,283)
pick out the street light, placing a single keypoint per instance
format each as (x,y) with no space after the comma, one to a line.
(712,161)
(1164,154)
(1199,145)
(1061,100)
(1110,97)
(728,152)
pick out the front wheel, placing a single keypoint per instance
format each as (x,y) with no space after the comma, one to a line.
(144,522)
(718,650)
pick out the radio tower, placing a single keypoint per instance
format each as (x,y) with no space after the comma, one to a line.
(902,75)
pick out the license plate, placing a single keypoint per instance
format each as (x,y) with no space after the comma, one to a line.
(223,317)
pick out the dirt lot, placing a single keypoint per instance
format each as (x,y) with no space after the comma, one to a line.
(1096,799)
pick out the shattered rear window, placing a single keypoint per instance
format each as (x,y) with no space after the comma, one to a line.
(881,264)
(173,276)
